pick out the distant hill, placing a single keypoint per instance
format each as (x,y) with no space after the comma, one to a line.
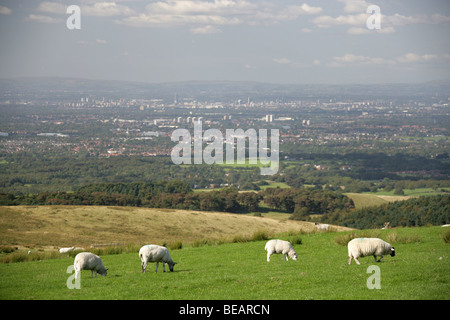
(217,90)
(47,226)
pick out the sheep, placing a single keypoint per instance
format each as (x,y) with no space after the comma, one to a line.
(155,253)
(362,247)
(280,247)
(320,226)
(89,261)
(66,250)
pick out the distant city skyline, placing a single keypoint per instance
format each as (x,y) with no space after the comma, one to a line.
(283,41)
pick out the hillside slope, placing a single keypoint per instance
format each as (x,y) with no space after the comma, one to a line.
(57,226)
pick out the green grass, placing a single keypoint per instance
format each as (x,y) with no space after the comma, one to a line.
(365,200)
(274,184)
(420,270)
(411,192)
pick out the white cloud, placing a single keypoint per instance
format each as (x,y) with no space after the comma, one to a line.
(282,60)
(52,7)
(355,60)
(5,10)
(161,20)
(101,41)
(107,9)
(414,57)
(205,30)
(343,20)
(350,59)
(218,7)
(203,15)
(357,30)
(357,22)
(42,19)
(355,5)
(99,9)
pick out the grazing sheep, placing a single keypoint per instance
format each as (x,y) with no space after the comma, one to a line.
(280,247)
(89,261)
(362,247)
(155,253)
(320,226)
(66,250)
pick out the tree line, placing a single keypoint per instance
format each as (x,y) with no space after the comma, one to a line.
(415,212)
(304,202)
(179,195)
(164,194)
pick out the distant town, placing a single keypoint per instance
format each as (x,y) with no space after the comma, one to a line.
(339,135)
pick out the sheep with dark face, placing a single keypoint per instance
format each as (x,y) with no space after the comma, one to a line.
(363,247)
(322,226)
(155,253)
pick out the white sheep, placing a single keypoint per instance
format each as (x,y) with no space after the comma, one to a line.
(89,261)
(362,247)
(155,253)
(321,226)
(280,247)
(66,250)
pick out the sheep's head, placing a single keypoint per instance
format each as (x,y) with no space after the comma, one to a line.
(392,252)
(293,255)
(171,266)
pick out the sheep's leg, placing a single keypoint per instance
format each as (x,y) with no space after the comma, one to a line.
(92,274)
(357,262)
(164,266)
(286,257)
(268,257)
(350,260)
(157,267)
(381,257)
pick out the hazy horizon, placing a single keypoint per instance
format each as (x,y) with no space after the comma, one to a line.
(285,42)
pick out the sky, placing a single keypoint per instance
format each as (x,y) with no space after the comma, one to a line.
(276,41)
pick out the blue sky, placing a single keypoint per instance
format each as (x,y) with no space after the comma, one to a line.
(283,41)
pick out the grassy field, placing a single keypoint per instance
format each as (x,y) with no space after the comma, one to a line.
(362,200)
(420,270)
(412,192)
